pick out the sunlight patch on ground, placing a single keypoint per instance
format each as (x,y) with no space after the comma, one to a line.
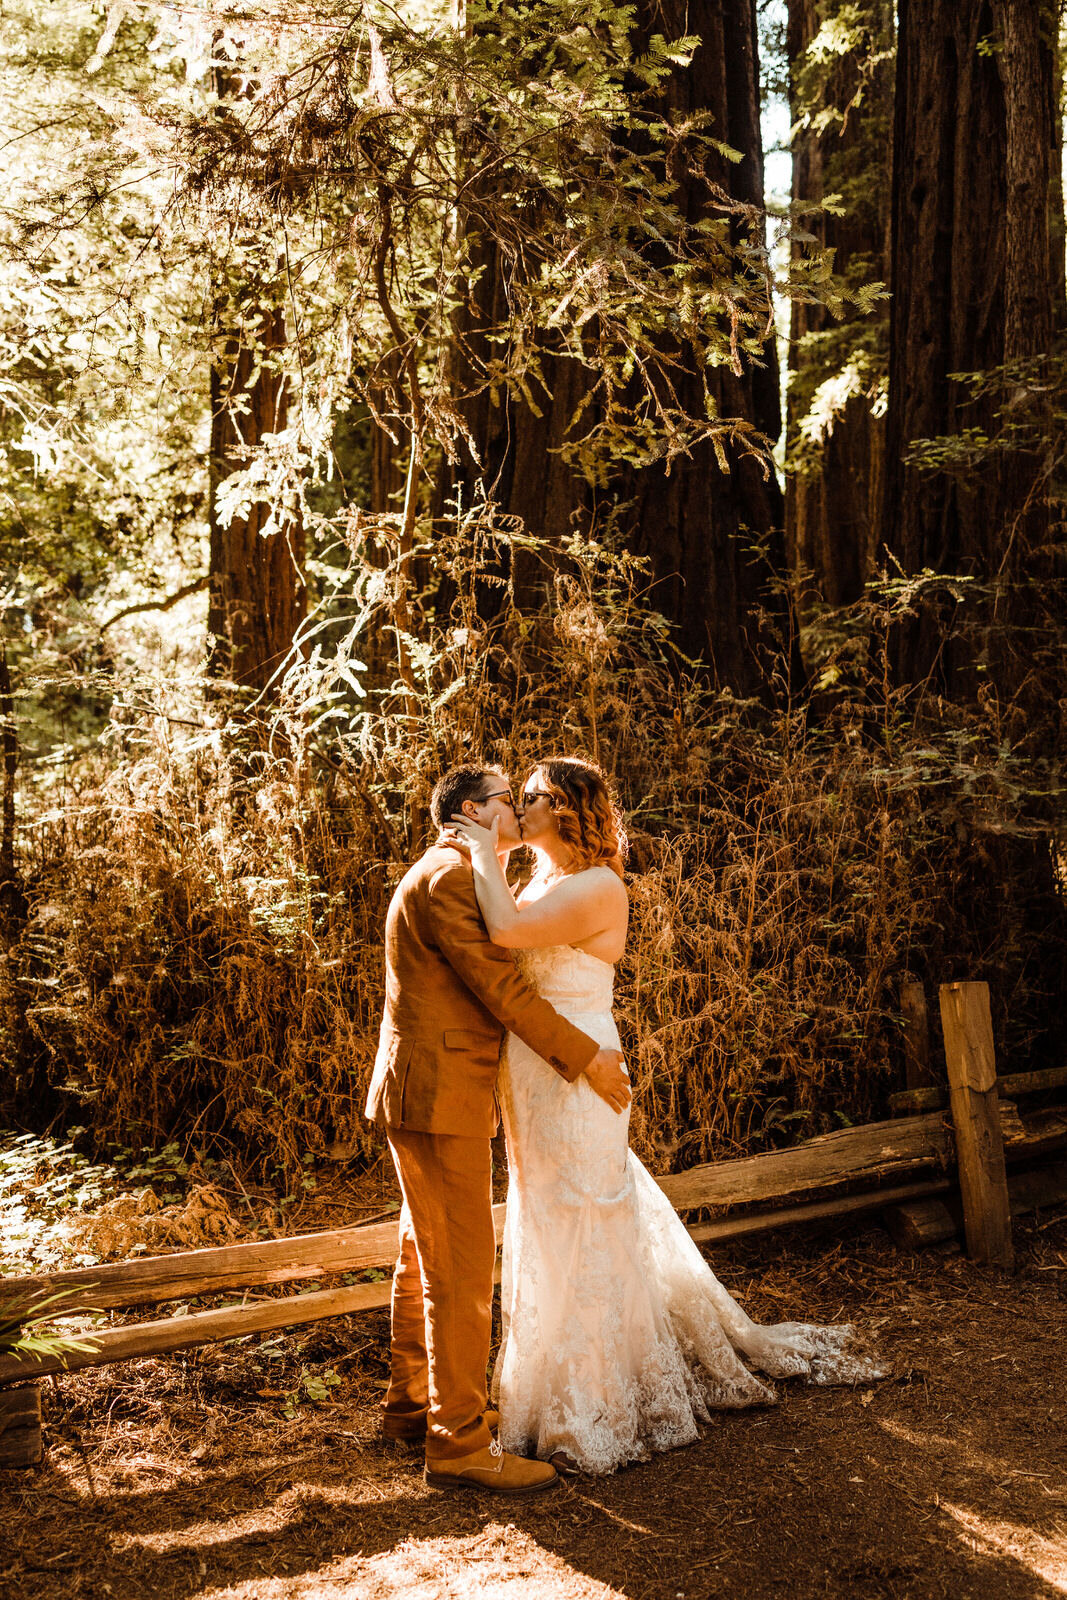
(501,1562)
(498,1564)
(1045,1558)
(963,1450)
(250,1526)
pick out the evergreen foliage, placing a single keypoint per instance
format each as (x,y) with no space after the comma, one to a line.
(193,950)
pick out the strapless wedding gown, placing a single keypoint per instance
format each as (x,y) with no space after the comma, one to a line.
(617,1336)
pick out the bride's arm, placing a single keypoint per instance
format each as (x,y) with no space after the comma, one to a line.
(495,899)
(577,908)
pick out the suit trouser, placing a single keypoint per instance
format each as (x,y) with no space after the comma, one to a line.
(442,1302)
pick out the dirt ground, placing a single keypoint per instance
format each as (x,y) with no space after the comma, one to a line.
(216,1474)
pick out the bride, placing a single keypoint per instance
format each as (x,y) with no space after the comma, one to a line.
(617,1336)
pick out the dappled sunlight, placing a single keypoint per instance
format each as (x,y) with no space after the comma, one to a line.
(395,398)
(1028,1526)
(961,1445)
(500,1561)
(942,1485)
(1045,1558)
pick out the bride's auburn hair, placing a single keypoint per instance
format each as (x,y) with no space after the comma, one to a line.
(587,818)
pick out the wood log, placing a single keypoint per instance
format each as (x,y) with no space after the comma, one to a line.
(839,1207)
(873,1152)
(1015,1083)
(20,1427)
(917,1071)
(876,1151)
(916,1100)
(1008,1087)
(919,1223)
(1042,1186)
(1045,1131)
(179,1333)
(1012,1127)
(201,1327)
(972,1077)
(230,1322)
(191,1272)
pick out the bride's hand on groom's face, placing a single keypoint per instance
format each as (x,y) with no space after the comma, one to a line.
(471,835)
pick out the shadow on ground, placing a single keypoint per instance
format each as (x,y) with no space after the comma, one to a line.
(168,1480)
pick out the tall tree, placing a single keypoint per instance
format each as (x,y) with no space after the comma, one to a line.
(256,588)
(841,93)
(256,596)
(710,521)
(713,527)
(975,286)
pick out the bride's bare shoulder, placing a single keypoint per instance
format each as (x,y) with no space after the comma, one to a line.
(605,882)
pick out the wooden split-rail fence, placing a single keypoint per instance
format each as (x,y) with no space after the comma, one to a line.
(965,1152)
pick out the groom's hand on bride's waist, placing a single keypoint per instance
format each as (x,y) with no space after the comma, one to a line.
(607,1078)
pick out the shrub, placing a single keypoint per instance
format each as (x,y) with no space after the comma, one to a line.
(203,957)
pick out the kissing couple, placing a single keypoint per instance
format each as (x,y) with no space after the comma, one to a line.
(618,1339)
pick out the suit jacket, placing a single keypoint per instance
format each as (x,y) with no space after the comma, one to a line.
(450,994)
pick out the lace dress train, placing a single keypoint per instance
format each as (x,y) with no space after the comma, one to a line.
(617,1336)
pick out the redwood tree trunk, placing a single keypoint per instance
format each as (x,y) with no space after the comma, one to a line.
(834,482)
(515,459)
(713,538)
(12,896)
(1025,62)
(974,286)
(257,597)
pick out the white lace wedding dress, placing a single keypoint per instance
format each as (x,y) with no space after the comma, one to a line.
(617,1336)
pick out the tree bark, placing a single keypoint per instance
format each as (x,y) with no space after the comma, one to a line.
(834,482)
(947,311)
(713,538)
(1057,221)
(974,287)
(1025,61)
(1032,282)
(516,458)
(257,597)
(12,896)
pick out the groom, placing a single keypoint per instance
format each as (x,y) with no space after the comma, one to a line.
(450,995)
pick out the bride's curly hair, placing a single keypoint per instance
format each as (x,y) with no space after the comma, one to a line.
(587,817)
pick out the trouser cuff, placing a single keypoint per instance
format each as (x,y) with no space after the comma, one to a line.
(441,1446)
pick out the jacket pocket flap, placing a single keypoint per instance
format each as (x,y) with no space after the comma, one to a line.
(468,1039)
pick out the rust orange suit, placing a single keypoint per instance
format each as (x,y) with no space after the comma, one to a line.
(450,994)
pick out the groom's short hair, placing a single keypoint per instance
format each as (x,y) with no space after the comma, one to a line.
(458,784)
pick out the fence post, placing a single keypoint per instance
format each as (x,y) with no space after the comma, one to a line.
(20,1426)
(972,1083)
(917,1074)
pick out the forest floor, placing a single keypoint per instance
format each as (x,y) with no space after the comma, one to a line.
(217,1474)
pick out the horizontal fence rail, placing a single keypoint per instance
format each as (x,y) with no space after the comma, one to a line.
(1008,1088)
(970,1144)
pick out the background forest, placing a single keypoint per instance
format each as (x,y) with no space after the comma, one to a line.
(386,388)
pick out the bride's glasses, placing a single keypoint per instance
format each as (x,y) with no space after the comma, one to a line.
(537,794)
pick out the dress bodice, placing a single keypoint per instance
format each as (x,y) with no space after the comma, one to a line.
(572,980)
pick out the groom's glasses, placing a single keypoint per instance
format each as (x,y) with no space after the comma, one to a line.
(498,794)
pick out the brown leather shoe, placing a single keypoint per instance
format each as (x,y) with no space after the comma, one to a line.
(404,1427)
(494,1470)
